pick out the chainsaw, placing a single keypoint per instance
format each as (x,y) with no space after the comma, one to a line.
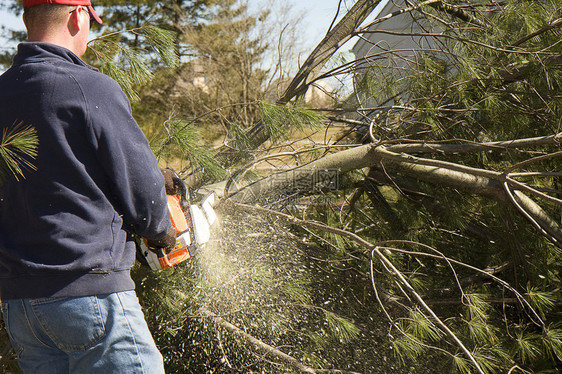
(192,224)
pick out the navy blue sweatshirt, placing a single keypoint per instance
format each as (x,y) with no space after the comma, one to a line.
(65,229)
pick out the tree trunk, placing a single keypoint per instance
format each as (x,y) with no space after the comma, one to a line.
(478,181)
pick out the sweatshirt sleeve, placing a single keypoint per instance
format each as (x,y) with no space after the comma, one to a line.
(134,178)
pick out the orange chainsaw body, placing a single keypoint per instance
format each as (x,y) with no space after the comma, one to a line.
(192,226)
(180,252)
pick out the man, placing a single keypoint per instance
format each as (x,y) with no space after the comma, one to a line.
(68,300)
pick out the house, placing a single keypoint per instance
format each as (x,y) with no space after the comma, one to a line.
(393,43)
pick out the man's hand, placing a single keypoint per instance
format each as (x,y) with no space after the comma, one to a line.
(169,176)
(167,243)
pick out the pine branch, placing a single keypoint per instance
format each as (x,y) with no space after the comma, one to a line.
(130,66)
(479,181)
(278,120)
(554,24)
(456,175)
(263,348)
(447,147)
(474,180)
(375,251)
(18,147)
(184,140)
(484,273)
(335,38)
(457,12)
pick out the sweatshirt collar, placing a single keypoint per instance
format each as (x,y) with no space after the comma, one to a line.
(38,51)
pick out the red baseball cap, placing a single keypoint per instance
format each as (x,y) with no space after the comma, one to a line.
(28,3)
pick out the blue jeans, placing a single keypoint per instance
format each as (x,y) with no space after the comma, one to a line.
(96,334)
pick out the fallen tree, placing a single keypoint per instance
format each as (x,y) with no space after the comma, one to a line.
(496,185)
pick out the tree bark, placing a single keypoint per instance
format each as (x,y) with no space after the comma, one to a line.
(265,349)
(449,148)
(478,181)
(334,39)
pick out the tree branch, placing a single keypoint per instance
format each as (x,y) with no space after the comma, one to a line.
(478,181)
(448,148)
(264,348)
(342,32)
(382,258)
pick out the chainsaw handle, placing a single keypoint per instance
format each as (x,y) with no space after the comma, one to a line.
(181,191)
(163,259)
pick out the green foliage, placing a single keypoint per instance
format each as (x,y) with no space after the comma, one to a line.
(218,84)
(461,81)
(279,120)
(461,364)
(18,148)
(129,65)
(526,345)
(474,89)
(312,293)
(341,328)
(184,142)
(162,42)
(542,301)
(420,327)
(552,341)
(406,350)
(294,289)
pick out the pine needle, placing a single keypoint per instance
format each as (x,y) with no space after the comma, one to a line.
(343,329)
(129,66)
(526,345)
(542,301)
(185,141)
(279,120)
(18,147)
(421,327)
(461,364)
(406,349)
(552,341)
(163,42)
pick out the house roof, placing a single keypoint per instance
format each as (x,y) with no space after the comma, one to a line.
(380,9)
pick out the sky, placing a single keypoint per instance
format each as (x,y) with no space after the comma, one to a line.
(317,18)
(318,15)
